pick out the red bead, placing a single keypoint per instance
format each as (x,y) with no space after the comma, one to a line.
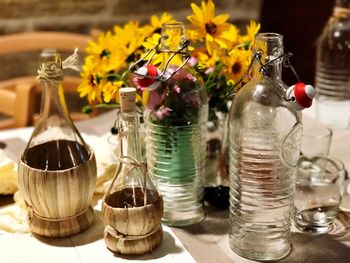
(300,95)
(145,81)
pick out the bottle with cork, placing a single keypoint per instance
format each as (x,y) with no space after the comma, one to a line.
(132,208)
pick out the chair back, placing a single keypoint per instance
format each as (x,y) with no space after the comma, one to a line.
(18,96)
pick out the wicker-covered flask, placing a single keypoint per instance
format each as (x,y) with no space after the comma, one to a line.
(132,208)
(57,170)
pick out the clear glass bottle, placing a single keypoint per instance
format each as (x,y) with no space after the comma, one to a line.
(55,138)
(131,185)
(333,69)
(132,208)
(175,119)
(57,170)
(264,138)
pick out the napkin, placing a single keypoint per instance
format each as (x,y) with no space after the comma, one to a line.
(8,175)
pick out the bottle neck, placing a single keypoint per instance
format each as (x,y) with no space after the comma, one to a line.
(129,134)
(342,9)
(172,40)
(270,47)
(53,101)
(272,71)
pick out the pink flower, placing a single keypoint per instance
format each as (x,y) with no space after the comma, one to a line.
(155,99)
(163,112)
(192,61)
(190,77)
(209,70)
(177,89)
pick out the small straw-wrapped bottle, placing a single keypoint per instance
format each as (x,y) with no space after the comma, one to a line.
(57,170)
(132,208)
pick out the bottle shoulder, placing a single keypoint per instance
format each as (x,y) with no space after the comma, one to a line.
(260,98)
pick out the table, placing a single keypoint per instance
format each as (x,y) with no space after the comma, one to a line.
(203,242)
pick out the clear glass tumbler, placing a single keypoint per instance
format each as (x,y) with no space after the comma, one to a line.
(318,193)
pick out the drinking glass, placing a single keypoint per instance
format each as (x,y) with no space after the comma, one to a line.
(316,141)
(318,192)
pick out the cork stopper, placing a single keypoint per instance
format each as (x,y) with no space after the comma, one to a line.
(127,99)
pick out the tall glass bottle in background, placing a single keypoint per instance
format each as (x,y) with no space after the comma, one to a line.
(175,119)
(57,170)
(264,140)
(333,69)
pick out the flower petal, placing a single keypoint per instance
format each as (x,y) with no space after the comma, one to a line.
(220,19)
(197,11)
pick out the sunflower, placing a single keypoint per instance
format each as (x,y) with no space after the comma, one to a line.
(111,89)
(157,23)
(103,48)
(106,52)
(210,28)
(205,60)
(130,37)
(232,34)
(236,64)
(248,39)
(150,43)
(90,85)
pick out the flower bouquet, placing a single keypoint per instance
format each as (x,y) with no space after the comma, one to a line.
(220,54)
(176,109)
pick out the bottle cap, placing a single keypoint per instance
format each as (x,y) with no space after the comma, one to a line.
(301,95)
(147,75)
(127,99)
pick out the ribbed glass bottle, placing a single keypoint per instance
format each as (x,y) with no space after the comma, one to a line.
(333,69)
(175,120)
(264,138)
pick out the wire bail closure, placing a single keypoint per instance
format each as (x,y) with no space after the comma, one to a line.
(263,70)
(299,95)
(164,75)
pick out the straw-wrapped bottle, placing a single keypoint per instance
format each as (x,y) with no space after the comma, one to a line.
(132,208)
(57,170)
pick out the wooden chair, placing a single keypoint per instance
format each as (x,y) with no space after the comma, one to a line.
(17,95)
(16,102)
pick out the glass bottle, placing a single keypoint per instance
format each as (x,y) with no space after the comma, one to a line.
(264,138)
(57,170)
(131,185)
(132,207)
(175,119)
(333,69)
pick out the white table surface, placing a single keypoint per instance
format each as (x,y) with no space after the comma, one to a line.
(203,242)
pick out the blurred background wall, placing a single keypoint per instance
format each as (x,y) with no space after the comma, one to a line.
(83,16)
(300,22)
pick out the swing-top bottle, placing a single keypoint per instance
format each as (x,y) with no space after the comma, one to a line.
(264,138)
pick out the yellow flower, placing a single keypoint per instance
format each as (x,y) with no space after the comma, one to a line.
(248,39)
(106,52)
(130,37)
(111,90)
(236,64)
(156,23)
(232,34)
(150,43)
(104,47)
(252,29)
(210,28)
(205,60)
(91,81)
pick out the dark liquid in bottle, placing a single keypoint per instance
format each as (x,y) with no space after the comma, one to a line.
(56,155)
(133,197)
